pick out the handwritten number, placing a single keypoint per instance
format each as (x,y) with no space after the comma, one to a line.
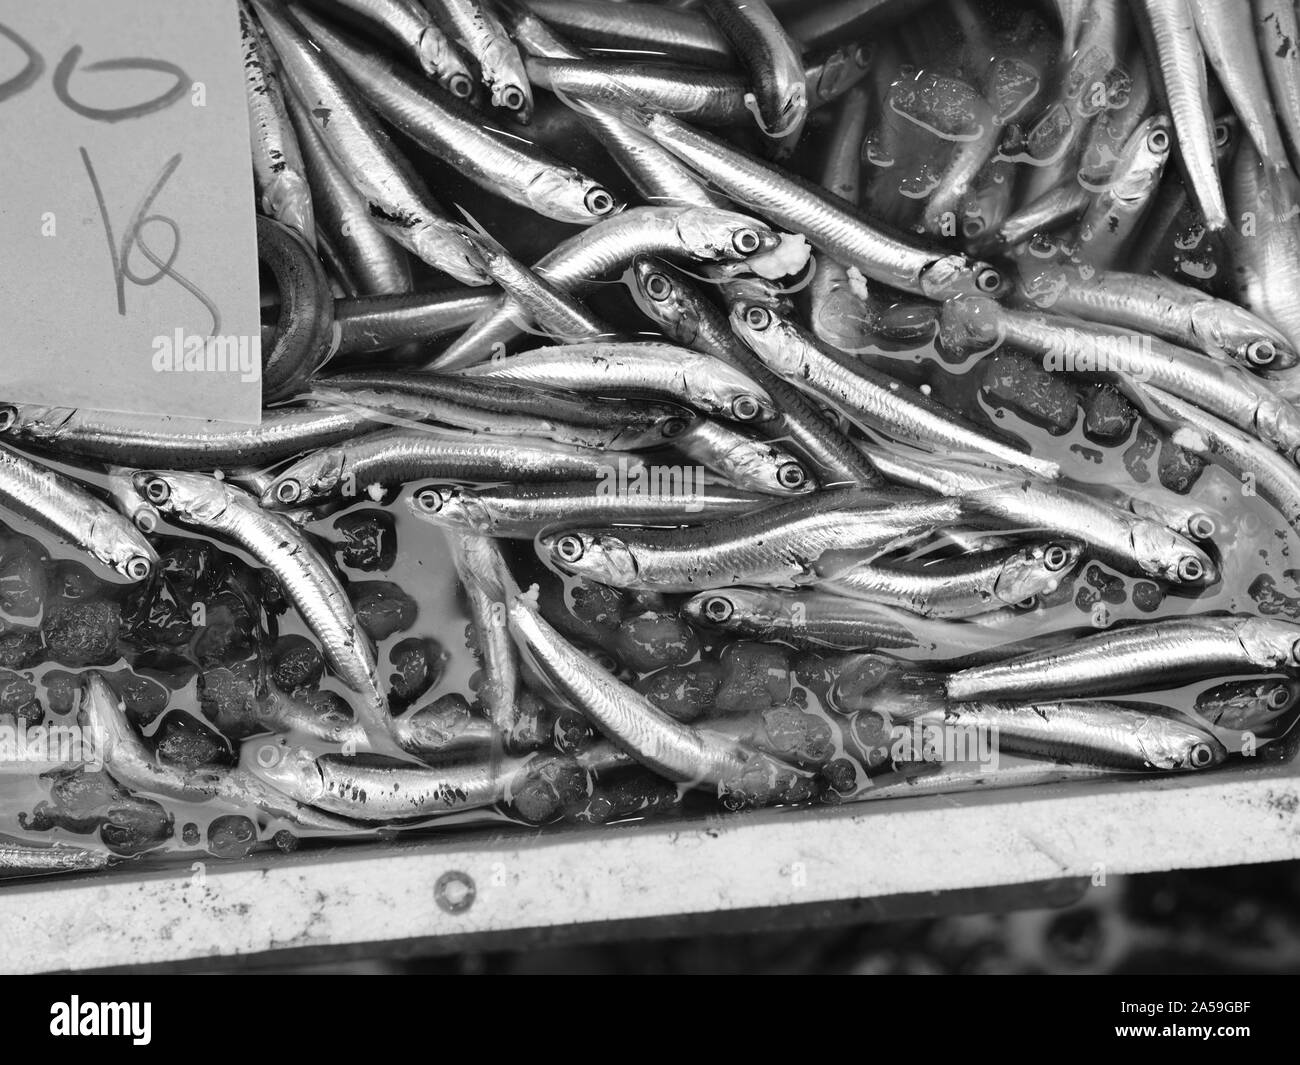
(63,73)
(26,77)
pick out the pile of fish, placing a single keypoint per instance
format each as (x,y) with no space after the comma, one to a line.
(745,402)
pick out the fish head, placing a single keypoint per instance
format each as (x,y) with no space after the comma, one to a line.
(760,467)
(558,190)
(190,498)
(970,324)
(1162,553)
(307,481)
(1036,570)
(1270,642)
(711,234)
(662,430)
(1142,161)
(661,297)
(771,336)
(839,71)
(451,504)
(1244,336)
(740,611)
(602,556)
(956,275)
(1168,743)
(727,390)
(123,546)
(292,771)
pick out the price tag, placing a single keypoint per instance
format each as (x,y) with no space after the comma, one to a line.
(128,250)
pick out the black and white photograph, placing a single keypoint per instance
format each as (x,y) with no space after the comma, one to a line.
(651,487)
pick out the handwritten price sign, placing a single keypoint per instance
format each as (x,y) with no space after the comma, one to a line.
(128,252)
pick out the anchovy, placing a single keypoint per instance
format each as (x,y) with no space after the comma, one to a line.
(1111,220)
(129,762)
(805,619)
(54,858)
(579,264)
(818,25)
(661,370)
(1246,704)
(1148,303)
(776,71)
(1278,30)
(1093,733)
(278,170)
(708,97)
(1228,37)
(836,72)
(1182,85)
(454,132)
(409,23)
(230,514)
(481,34)
(380,322)
(366,260)
(781,545)
(488,586)
(1053,210)
(146,441)
(522,511)
(744,461)
(1131,543)
(688,317)
(397,200)
(831,225)
(961,587)
(1136,657)
(654,30)
(1071,346)
(394,456)
(62,507)
(870,397)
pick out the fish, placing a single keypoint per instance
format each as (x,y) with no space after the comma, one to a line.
(744,461)
(397,200)
(522,511)
(1128,541)
(776,70)
(142,440)
(829,224)
(305,337)
(605,250)
(663,371)
(128,761)
(1090,732)
(834,73)
(478,30)
(53,858)
(1116,213)
(654,30)
(231,515)
(380,322)
(1277,29)
(487,584)
(388,458)
(804,619)
(1134,658)
(779,546)
(1169,30)
(455,133)
(1149,303)
(69,512)
(971,584)
(869,397)
(1053,210)
(409,24)
(279,173)
(1246,705)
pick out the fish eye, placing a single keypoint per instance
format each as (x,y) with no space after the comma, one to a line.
(1260,353)
(1158,140)
(758,318)
(460,86)
(138,567)
(745,408)
(1222,134)
(598,201)
(791,475)
(605,660)
(746,241)
(288,491)
(717,608)
(862,55)
(658,287)
(1295,653)
(1190,569)
(1201,526)
(146,519)
(8,416)
(674,427)
(1028,603)
(513,98)
(1279,698)
(988,279)
(569,548)
(1201,756)
(429,500)
(972,227)
(1056,557)
(157,490)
